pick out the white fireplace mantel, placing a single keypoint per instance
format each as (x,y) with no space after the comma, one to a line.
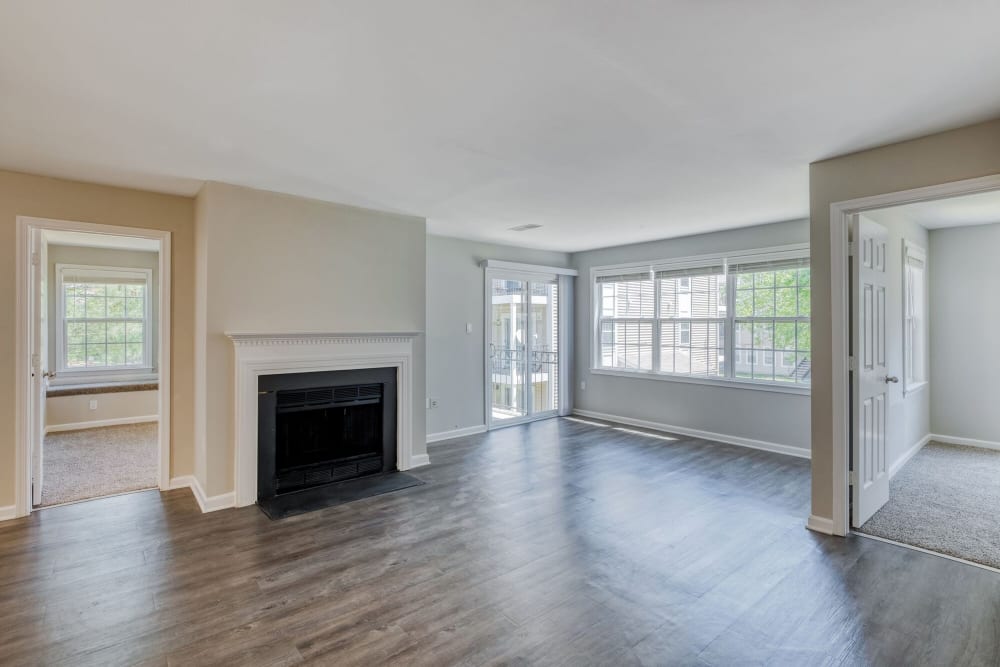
(300,352)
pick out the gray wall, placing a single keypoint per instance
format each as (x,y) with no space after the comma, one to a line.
(965,320)
(912,412)
(737,412)
(455,298)
(130,259)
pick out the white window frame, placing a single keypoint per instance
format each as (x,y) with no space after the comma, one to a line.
(797,250)
(911,249)
(69,376)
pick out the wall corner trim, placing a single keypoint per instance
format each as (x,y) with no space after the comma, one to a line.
(8,512)
(967,442)
(820,524)
(456,433)
(763,445)
(898,464)
(205,503)
(418,460)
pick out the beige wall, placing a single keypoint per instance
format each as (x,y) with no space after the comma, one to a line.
(969,152)
(270,262)
(27,195)
(63,410)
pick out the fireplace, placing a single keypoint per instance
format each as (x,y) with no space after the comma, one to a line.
(322,428)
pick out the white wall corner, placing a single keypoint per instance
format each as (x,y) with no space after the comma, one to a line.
(904,458)
(211,503)
(820,524)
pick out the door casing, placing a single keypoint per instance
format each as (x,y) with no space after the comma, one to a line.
(840,220)
(27,227)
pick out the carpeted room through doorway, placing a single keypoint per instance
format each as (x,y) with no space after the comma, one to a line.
(97,462)
(945,499)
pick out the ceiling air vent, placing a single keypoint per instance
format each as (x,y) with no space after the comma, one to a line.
(523,228)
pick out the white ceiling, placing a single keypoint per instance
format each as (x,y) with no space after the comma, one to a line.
(604,122)
(978,209)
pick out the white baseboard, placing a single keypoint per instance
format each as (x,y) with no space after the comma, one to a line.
(968,442)
(8,512)
(704,435)
(456,433)
(898,464)
(820,524)
(418,460)
(206,503)
(97,423)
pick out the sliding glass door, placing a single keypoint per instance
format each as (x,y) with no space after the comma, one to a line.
(522,348)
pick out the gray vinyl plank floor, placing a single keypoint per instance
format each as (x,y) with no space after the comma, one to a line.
(566,542)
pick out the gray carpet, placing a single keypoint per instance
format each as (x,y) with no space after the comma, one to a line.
(946,499)
(99,462)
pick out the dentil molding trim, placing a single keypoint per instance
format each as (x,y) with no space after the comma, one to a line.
(242,339)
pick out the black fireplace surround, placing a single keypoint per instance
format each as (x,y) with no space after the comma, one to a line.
(320,428)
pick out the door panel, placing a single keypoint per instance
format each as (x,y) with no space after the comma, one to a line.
(872,376)
(507,358)
(544,347)
(39,361)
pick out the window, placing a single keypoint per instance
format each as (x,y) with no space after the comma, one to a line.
(675,319)
(914,316)
(103,320)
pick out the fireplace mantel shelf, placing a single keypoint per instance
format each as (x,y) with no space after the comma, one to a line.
(318,337)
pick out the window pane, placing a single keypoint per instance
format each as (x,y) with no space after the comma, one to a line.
(133,354)
(803,368)
(763,303)
(763,368)
(76,356)
(116,332)
(744,281)
(804,338)
(138,291)
(95,307)
(133,332)
(785,278)
(116,307)
(91,289)
(784,336)
(116,290)
(784,302)
(116,354)
(76,333)
(96,355)
(804,277)
(135,309)
(96,333)
(805,294)
(763,335)
(744,303)
(763,279)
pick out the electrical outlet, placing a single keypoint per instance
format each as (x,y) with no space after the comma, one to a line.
(93,404)
(432,403)
(583,385)
(468,327)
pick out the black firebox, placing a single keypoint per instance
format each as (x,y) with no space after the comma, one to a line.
(317,429)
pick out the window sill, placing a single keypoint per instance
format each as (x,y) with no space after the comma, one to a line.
(727,383)
(77,378)
(99,388)
(914,388)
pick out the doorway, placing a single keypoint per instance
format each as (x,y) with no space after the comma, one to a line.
(525,345)
(888,384)
(93,341)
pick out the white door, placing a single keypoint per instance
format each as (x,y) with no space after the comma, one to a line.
(39,360)
(872,376)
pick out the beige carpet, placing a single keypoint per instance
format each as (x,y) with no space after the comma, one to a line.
(99,462)
(945,499)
